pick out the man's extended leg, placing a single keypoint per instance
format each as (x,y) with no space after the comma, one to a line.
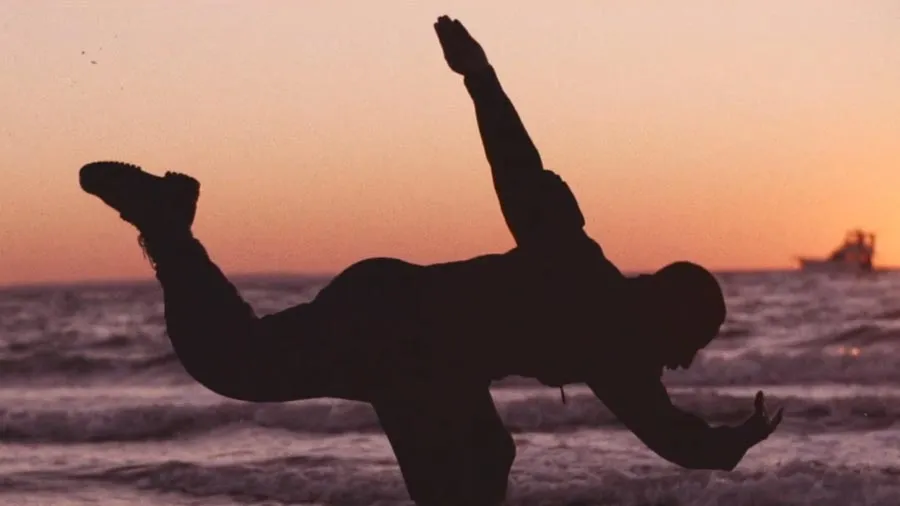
(312,350)
(452,449)
(222,344)
(351,341)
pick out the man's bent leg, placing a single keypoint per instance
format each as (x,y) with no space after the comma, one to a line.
(450,450)
(227,348)
(299,353)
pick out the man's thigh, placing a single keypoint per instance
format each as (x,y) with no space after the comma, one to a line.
(357,339)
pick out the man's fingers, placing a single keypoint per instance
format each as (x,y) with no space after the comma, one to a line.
(441,24)
(441,33)
(444,23)
(446,31)
(445,37)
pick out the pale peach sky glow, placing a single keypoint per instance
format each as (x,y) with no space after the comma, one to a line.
(736,134)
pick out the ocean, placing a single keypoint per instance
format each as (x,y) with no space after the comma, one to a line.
(96,409)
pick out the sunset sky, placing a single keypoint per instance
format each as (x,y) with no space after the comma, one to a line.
(736,134)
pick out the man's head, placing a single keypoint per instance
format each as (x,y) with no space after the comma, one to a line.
(686,308)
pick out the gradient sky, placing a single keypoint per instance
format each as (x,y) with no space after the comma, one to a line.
(737,134)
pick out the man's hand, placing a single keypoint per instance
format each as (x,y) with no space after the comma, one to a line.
(463,53)
(759,426)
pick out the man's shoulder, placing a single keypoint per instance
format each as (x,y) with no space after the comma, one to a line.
(575,257)
(592,252)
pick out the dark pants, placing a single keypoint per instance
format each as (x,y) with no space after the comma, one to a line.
(365,337)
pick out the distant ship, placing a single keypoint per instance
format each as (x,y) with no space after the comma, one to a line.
(854,255)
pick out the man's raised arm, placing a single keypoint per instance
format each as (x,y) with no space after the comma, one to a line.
(682,438)
(535,202)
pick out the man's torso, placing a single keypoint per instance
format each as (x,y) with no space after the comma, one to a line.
(540,312)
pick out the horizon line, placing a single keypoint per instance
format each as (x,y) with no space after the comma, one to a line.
(322,276)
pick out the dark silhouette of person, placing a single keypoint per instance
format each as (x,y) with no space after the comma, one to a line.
(422,343)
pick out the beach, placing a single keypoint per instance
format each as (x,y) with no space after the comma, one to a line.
(96,409)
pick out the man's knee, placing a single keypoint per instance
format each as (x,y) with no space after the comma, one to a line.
(225,371)
(254,364)
(233,362)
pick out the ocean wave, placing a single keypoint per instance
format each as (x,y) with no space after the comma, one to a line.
(862,334)
(45,366)
(853,357)
(117,333)
(527,414)
(847,365)
(346,482)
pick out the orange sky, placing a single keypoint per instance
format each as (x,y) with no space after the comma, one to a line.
(736,135)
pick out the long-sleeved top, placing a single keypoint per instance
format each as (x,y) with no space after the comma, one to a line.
(554,307)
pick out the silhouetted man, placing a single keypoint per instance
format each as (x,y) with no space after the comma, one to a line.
(423,343)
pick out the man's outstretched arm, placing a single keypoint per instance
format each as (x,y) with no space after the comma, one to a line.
(682,438)
(535,202)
